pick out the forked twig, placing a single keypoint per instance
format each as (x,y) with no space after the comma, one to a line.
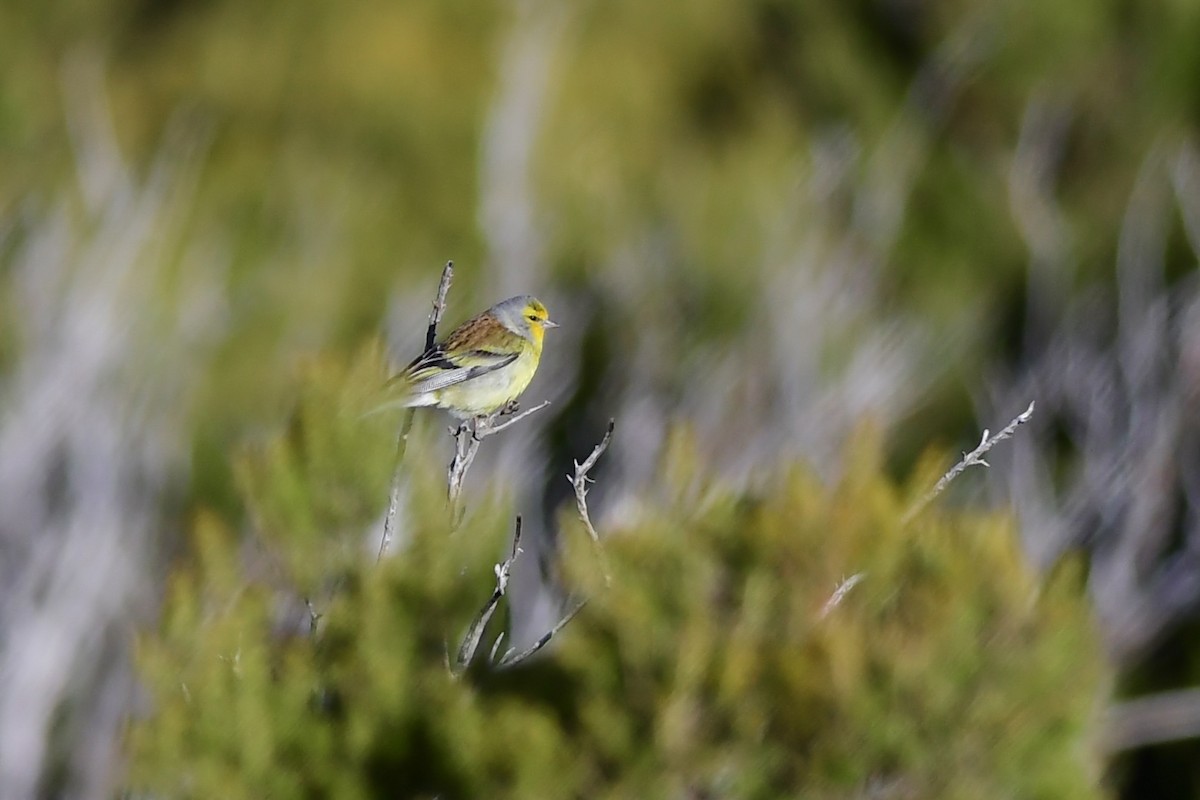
(511,658)
(467,438)
(972,458)
(580,480)
(470,643)
(435,317)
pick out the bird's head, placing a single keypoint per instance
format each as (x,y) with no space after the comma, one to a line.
(525,316)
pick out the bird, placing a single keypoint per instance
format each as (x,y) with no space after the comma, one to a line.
(481,367)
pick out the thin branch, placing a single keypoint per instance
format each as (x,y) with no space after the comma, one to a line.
(466,445)
(839,594)
(511,659)
(470,643)
(435,317)
(389,520)
(509,418)
(314,617)
(496,647)
(581,480)
(970,459)
(439,305)
(467,438)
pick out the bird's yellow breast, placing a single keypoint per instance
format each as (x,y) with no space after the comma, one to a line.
(492,391)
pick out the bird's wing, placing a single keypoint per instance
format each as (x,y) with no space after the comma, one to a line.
(434,370)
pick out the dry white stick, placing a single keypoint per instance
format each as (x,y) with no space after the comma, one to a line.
(972,458)
(435,317)
(496,647)
(439,305)
(466,445)
(506,417)
(580,480)
(389,519)
(470,643)
(839,594)
(511,658)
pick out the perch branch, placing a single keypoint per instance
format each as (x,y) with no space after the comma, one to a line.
(467,438)
(435,317)
(506,417)
(970,459)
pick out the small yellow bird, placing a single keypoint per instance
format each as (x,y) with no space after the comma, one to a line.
(481,367)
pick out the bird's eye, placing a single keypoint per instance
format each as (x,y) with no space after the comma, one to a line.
(532,317)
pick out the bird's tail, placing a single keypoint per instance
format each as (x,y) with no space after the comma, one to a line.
(397,393)
(403,402)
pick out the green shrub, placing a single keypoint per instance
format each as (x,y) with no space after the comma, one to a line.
(712,666)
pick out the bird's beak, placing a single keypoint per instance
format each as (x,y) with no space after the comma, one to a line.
(549,323)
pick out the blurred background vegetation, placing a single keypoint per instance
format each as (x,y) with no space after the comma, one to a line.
(762,226)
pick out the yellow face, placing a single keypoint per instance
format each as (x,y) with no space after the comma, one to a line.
(538,319)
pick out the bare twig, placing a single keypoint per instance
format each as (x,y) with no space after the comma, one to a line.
(467,438)
(839,594)
(466,445)
(986,443)
(511,658)
(470,643)
(439,305)
(389,520)
(496,647)
(435,317)
(580,480)
(506,417)
(314,617)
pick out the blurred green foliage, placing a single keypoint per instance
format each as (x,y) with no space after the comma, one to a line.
(676,115)
(712,666)
(344,145)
